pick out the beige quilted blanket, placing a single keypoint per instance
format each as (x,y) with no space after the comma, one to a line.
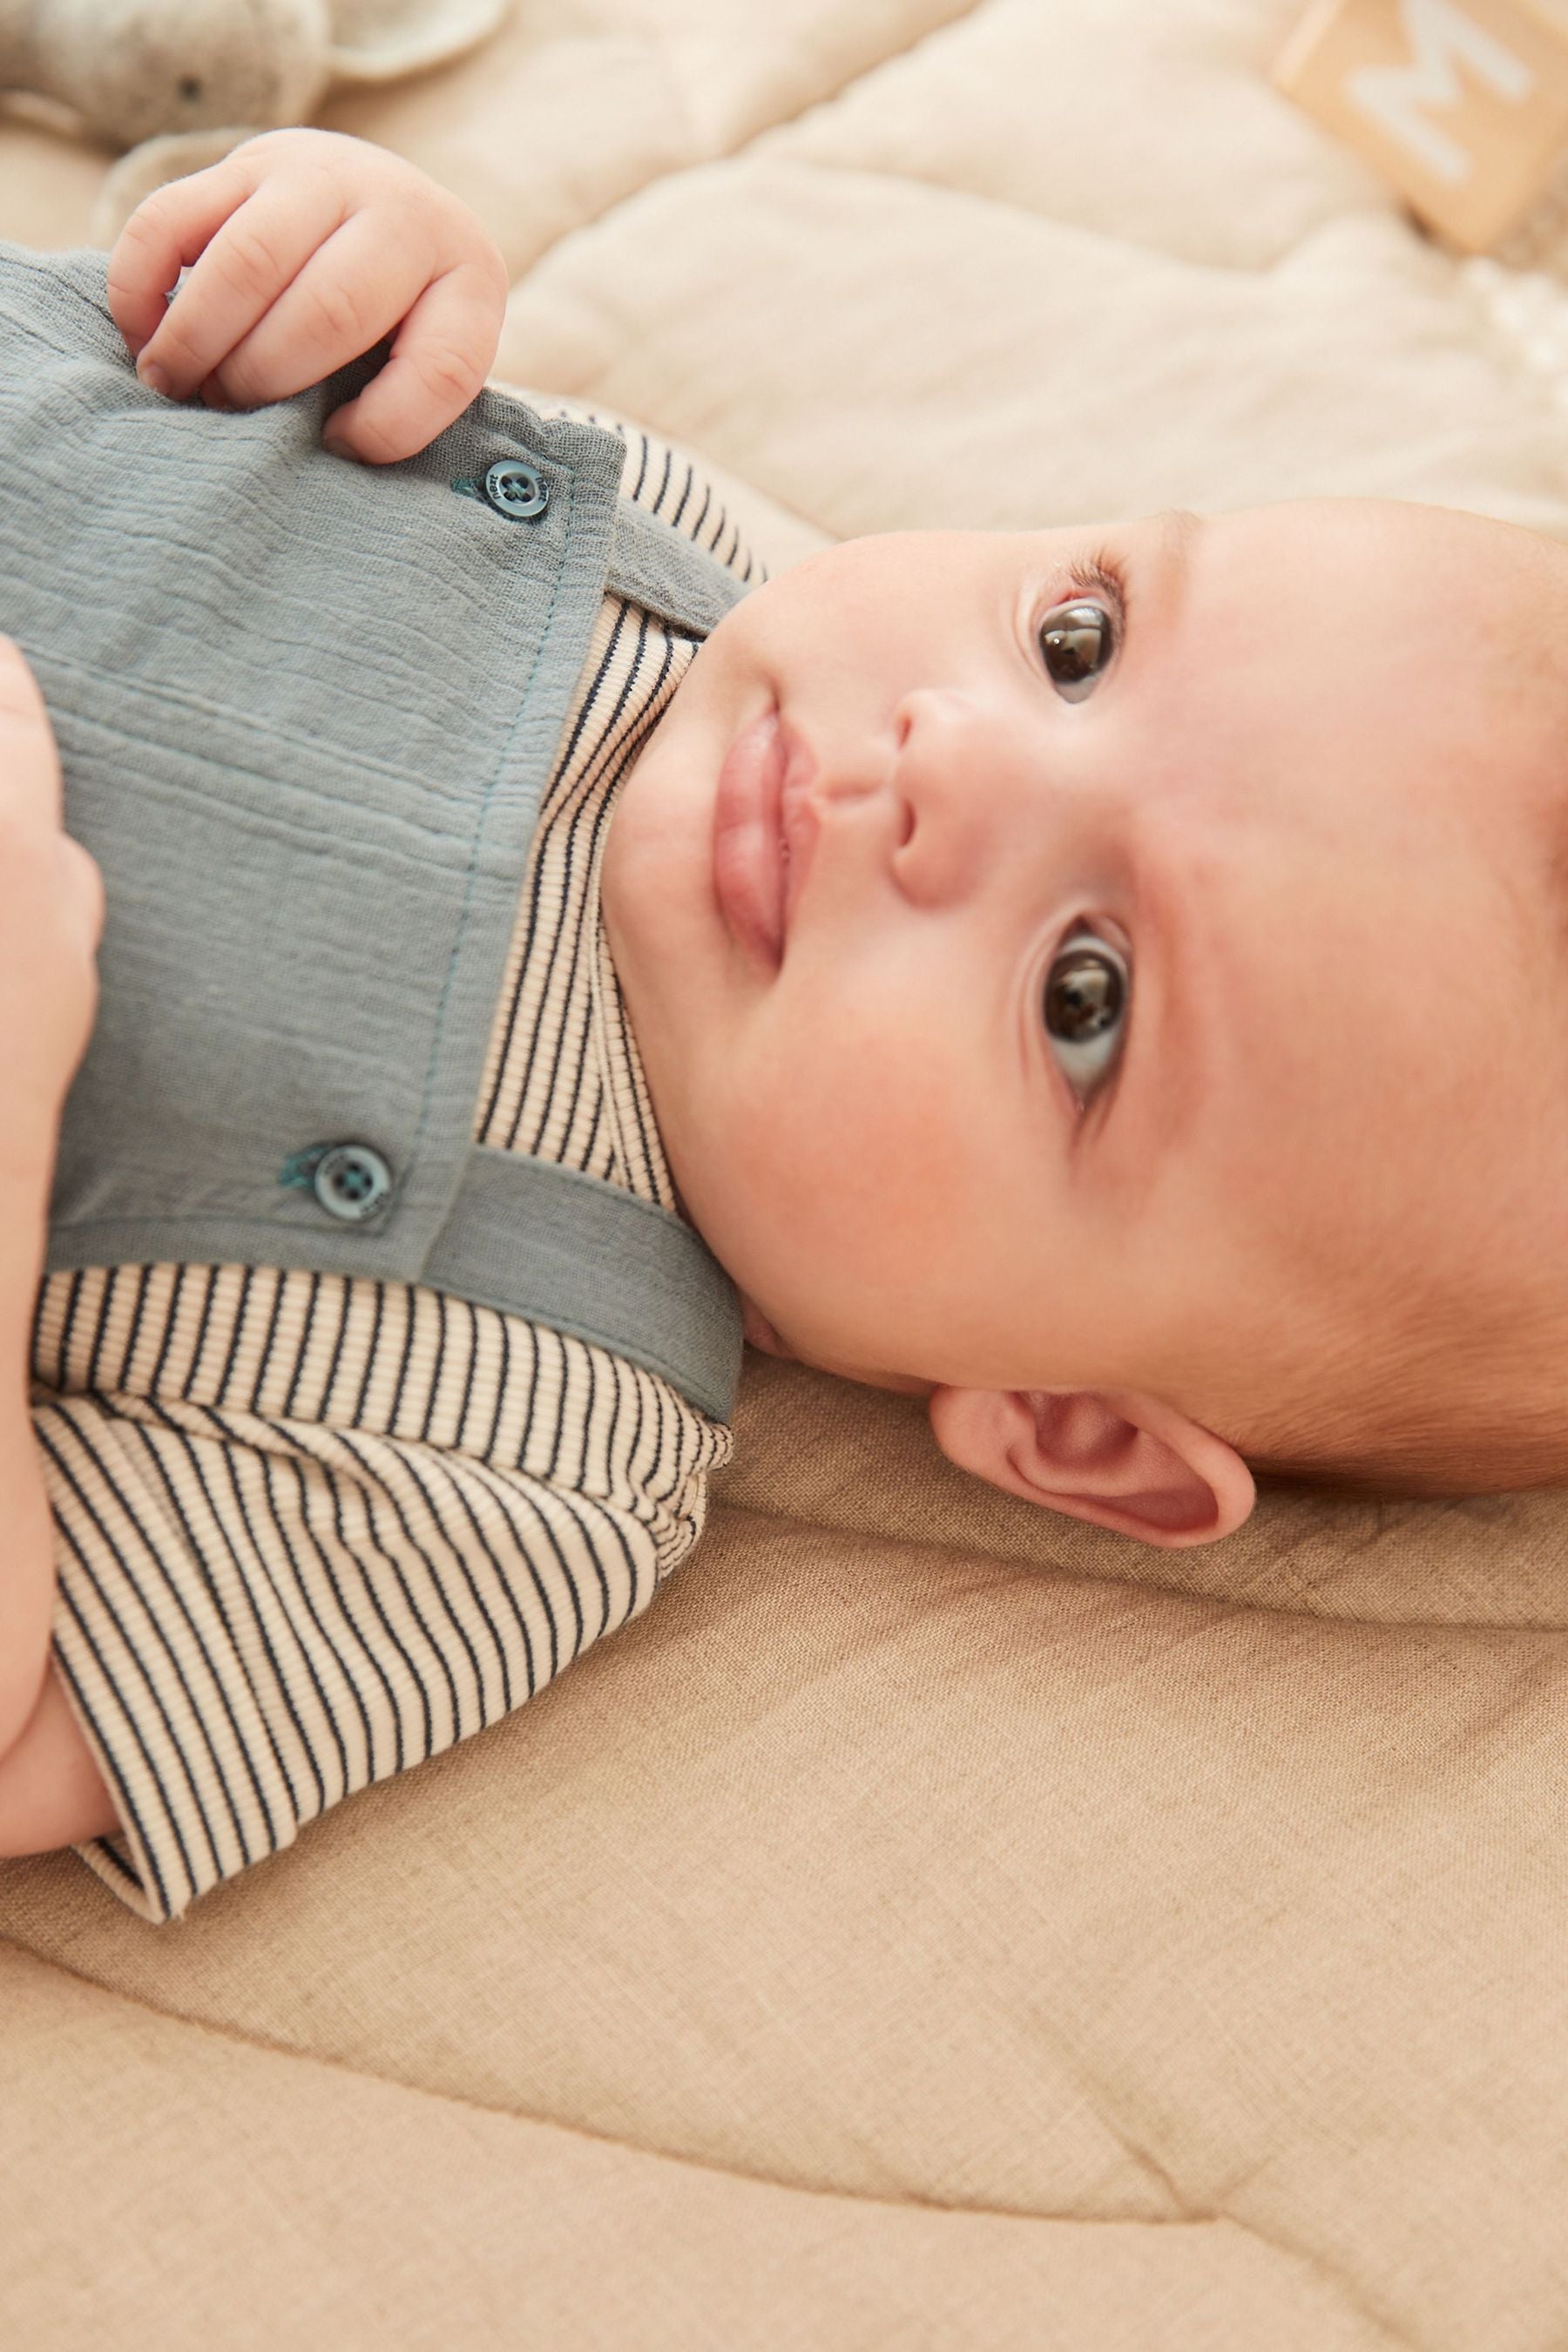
(932,1926)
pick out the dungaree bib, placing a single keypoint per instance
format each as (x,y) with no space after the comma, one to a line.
(306,710)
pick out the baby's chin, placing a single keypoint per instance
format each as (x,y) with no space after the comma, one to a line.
(760,1334)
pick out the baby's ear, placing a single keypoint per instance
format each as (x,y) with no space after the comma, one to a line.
(1117,1459)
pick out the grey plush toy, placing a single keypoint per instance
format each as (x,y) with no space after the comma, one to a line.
(182,81)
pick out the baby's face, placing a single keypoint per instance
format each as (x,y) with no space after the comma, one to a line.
(1148,994)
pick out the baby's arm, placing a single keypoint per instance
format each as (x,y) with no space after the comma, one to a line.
(305,248)
(51,906)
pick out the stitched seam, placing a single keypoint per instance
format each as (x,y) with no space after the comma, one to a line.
(467,2103)
(1133,1587)
(1350,2290)
(650,1210)
(710,1404)
(1325,2273)
(483,818)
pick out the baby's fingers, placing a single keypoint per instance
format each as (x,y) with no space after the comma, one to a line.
(441,356)
(164,233)
(251,260)
(351,293)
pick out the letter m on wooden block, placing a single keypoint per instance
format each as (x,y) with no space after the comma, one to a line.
(1463,104)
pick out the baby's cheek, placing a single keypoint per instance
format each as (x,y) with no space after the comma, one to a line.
(851,1164)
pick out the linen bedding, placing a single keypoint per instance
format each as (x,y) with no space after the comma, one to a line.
(934,1925)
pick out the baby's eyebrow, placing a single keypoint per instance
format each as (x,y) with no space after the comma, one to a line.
(1156,567)
(1171,1080)
(1179,529)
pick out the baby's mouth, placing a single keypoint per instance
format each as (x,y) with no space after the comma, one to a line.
(750,859)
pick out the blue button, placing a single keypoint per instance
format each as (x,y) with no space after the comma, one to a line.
(515,489)
(351,1181)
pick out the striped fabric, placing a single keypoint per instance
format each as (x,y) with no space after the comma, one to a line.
(313,1529)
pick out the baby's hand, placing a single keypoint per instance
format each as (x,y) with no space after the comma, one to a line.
(312,247)
(51,911)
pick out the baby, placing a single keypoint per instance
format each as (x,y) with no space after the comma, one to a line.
(1107,985)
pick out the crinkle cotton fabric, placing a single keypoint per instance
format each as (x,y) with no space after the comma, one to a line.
(935,1925)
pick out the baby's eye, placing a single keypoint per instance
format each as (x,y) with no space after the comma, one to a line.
(1075,640)
(1086,999)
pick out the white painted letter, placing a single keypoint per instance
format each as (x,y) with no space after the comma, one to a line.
(1393,96)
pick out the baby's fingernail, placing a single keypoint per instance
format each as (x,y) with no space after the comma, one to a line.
(154,377)
(339,448)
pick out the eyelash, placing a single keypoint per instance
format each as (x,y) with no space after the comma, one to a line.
(1101,575)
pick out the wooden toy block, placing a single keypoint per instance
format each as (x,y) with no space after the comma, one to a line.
(1463,104)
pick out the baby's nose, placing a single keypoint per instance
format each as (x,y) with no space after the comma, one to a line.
(958,782)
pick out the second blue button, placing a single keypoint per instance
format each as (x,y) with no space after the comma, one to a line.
(352,1181)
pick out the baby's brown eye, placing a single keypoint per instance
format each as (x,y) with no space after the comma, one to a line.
(1075,642)
(1084,995)
(1085,1008)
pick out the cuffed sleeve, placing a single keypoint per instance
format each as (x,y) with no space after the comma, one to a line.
(257,1619)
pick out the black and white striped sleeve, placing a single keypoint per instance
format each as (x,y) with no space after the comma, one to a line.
(258,1618)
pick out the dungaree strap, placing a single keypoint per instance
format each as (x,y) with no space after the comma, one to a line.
(592,1259)
(668,573)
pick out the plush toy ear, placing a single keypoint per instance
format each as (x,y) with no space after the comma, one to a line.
(376,40)
(151,165)
(1117,1459)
